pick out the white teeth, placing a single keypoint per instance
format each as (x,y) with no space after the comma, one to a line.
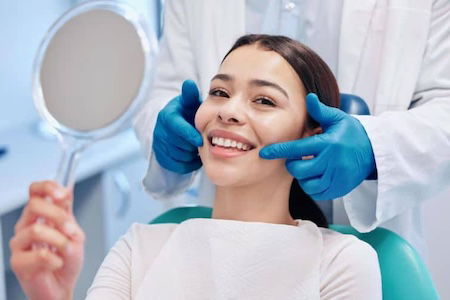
(229,143)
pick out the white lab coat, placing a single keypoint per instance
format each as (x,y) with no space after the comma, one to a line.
(394,54)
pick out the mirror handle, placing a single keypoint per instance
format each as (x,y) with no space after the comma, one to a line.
(71,151)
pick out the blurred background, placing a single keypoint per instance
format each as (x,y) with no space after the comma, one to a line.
(109,196)
(108,193)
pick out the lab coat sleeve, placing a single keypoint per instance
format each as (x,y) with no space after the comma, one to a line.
(175,63)
(351,273)
(411,148)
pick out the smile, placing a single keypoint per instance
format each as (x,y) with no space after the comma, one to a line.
(228,144)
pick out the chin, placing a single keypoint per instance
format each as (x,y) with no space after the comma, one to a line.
(225,175)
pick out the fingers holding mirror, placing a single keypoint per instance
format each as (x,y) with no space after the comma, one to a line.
(52,269)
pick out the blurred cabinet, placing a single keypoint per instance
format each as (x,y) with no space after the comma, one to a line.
(124,199)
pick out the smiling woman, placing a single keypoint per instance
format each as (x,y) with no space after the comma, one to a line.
(258,98)
(259,243)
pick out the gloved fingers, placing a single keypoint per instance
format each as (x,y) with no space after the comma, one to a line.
(172,152)
(324,196)
(178,167)
(173,140)
(312,145)
(192,166)
(178,126)
(304,169)
(190,96)
(181,155)
(317,185)
(321,113)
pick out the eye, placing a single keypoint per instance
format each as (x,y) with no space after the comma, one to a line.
(265,101)
(218,93)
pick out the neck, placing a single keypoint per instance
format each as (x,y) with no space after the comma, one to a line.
(266,202)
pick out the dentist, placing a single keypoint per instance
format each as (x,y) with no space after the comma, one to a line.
(395,56)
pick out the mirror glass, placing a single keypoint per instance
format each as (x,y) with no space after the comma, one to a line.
(92,70)
(91,74)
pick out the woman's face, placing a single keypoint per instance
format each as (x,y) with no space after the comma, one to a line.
(256,99)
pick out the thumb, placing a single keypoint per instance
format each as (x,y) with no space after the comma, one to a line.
(190,96)
(321,113)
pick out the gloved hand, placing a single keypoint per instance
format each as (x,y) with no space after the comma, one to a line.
(343,155)
(175,139)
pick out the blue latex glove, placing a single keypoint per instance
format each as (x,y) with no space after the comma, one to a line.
(343,155)
(175,139)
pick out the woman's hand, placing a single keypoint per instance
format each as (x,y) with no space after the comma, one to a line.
(47,256)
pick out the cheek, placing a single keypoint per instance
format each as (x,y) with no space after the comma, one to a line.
(203,116)
(283,128)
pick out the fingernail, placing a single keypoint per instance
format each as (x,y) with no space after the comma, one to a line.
(60,193)
(69,228)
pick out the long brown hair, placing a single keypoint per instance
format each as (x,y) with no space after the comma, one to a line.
(317,78)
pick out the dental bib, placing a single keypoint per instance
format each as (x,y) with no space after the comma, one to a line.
(224,259)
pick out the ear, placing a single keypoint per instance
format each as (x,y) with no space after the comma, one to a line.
(312,131)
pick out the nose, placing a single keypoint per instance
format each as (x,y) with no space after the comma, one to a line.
(231,112)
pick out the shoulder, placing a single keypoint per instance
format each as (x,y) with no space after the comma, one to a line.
(143,242)
(345,249)
(349,267)
(125,265)
(335,242)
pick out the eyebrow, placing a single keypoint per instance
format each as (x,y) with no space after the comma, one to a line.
(255,82)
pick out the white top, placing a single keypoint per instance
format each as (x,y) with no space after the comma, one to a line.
(224,259)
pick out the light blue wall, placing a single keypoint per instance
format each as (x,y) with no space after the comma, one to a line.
(23,24)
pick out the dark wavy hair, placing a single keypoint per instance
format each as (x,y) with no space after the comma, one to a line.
(317,78)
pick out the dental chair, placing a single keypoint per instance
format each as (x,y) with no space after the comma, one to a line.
(404,275)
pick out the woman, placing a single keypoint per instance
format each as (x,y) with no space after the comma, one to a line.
(257,245)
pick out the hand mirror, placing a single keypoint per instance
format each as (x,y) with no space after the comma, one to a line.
(91,75)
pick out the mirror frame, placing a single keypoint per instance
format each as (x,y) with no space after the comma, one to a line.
(149,45)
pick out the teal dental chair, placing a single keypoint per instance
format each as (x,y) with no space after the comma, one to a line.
(404,275)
